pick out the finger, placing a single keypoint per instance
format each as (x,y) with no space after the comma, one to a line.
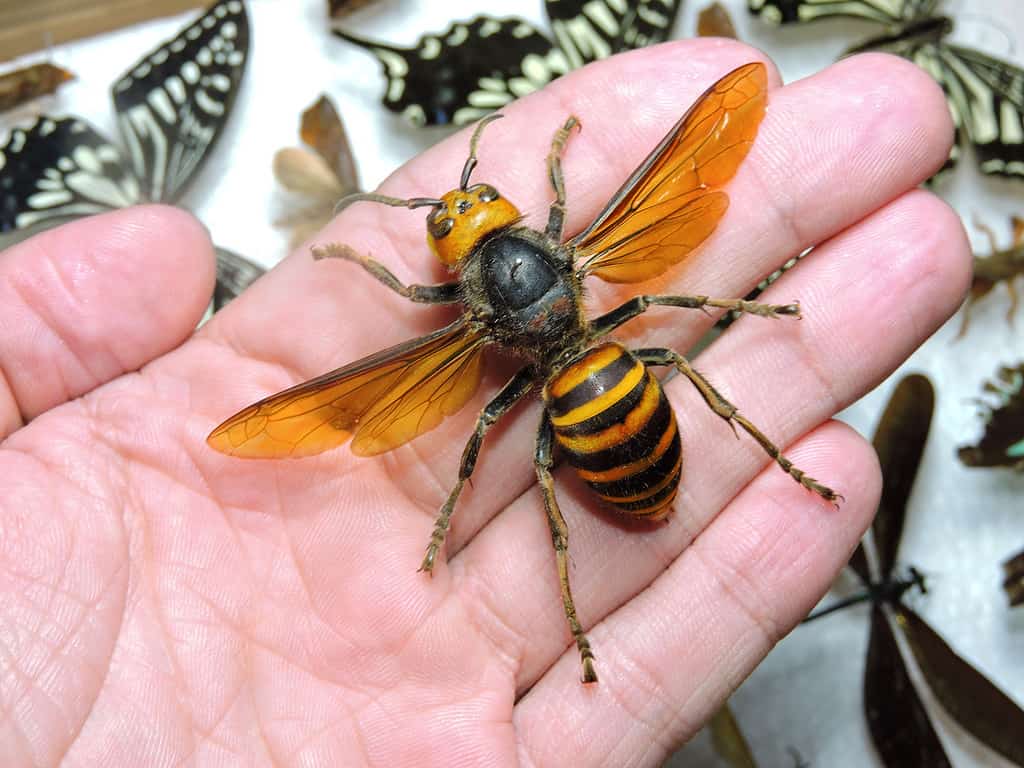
(819,126)
(671,656)
(88,301)
(874,293)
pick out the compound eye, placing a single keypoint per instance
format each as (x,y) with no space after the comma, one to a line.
(439,227)
(486,193)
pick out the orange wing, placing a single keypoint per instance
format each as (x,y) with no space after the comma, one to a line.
(383,400)
(672,202)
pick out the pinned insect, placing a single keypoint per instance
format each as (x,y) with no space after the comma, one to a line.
(27,83)
(997,266)
(728,740)
(522,290)
(900,725)
(1013,579)
(1002,445)
(985,94)
(715,21)
(322,175)
(473,67)
(172,106)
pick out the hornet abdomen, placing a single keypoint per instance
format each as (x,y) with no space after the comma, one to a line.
(617,429)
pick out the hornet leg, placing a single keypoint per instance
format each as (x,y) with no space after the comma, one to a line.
(509,395)
(728,412)
(556,214)
(445,293)
(560,538)
(609,321)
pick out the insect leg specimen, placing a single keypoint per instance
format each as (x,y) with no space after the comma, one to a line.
(556,215)
(560,538)
(509,395)
(609,321)
(727,411)
(445,293)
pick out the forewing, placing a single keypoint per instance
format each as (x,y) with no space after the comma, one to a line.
(173,104)
(57,169)
(381,401)
(715,21)
(970,697)
(322,129)
(673,201)
(900,727)
(464,72)
(899,442)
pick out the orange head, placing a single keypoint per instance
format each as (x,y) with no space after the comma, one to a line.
(465,216)
(460,218)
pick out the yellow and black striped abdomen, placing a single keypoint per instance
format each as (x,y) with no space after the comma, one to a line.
(617,429)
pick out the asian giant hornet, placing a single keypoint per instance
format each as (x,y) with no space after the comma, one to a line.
(522,289)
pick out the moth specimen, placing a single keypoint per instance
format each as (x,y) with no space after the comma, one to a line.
(323,174)
(23,85)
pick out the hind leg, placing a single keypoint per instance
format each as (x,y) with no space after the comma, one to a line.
(560,538)
(727,411)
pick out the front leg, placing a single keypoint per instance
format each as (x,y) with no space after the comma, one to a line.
(509,395)
(445,293)
(727,411)
(556,214)
(609,321)
(560,538)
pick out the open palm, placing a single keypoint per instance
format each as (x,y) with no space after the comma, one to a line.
(163,603)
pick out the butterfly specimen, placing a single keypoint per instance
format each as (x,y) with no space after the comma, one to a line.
(900,726)
(521,289)
(27,83)
(985,94)
(1002,444)
(323,174)
(999,265)
(1013,581)
(171,106)
(474,67)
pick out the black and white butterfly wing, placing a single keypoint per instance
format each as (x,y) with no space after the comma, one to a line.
(988,106)
(58,169)
(886,12)
(173,104)
(466,71)
(234,274)
(587,30)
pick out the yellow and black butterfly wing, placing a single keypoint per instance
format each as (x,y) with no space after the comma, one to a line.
(381,401)
(674,201)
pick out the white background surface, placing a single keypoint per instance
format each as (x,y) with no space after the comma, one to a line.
(961,523)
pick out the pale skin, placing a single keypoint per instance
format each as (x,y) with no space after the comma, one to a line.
(163,604)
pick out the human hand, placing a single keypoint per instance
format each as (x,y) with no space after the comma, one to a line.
(163,602)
